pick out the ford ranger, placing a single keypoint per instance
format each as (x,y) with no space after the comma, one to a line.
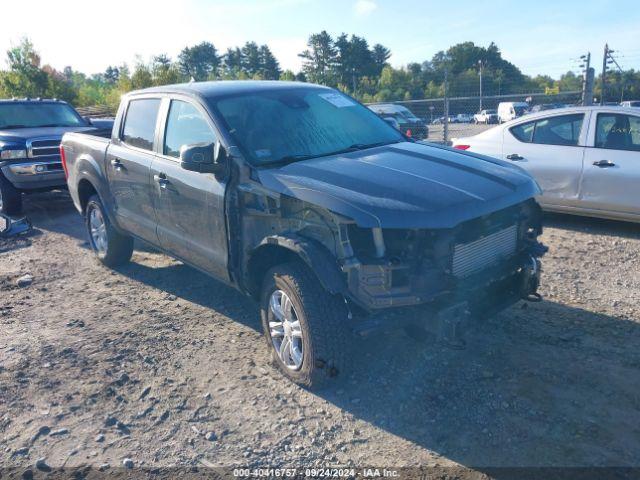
(307,201)
(30,133)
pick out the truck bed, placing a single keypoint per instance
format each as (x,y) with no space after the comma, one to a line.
(82,148)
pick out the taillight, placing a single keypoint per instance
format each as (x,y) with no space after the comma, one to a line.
(408,133)
(462,147)
(64,162)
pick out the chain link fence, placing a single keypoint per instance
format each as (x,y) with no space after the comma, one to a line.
(440,120)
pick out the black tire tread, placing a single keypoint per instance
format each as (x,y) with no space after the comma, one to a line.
(119,246)
(326,316)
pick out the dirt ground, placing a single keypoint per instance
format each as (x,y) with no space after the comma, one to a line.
(161,365)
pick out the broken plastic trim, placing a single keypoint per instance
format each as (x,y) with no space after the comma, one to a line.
(10,227)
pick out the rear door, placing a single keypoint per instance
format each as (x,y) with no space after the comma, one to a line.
(551,150)
(189,205)
(612,164)
(129,159)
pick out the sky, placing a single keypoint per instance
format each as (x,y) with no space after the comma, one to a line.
(540,37)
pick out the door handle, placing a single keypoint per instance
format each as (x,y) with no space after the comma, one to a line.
(161,179)
(514,157)
(117,164)
(604,163)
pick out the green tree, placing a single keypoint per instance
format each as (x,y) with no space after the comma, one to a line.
(251,64)
(269,66)
(199,62)
(25,77)
(232,63)
(319,59)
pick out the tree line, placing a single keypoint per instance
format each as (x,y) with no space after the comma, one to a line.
(346,62)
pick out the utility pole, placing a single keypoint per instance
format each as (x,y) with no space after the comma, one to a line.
(480,66)
(604,72)
(445,133)
(588,74)
(607,59)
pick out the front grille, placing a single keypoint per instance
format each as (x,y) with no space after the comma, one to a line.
(44,148)
(472,257)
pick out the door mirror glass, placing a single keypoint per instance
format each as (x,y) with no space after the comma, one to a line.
(200,157)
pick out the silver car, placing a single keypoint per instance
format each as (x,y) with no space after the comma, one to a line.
(585,159)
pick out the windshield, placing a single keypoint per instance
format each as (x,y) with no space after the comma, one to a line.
(35,114)
(299,123)
(406,113)
(519,109)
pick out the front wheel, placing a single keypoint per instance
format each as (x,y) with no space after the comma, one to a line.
(305,326)
(10,197)
(111,247)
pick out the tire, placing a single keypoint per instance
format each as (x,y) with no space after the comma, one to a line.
(321,317)
(111,247)
(10,197)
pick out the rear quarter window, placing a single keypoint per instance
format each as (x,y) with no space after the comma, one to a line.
(140,123)
(524,131)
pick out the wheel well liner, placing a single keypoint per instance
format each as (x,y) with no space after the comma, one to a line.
(85,191)
(277,249)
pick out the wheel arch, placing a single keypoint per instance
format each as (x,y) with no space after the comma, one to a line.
(277,249)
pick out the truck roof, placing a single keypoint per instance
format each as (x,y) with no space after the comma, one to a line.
(221,88)
(30,100)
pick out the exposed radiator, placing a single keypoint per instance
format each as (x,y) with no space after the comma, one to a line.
(472,257)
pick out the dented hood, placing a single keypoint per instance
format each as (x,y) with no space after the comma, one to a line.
(404,185)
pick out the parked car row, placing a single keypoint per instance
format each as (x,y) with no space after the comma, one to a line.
(314,206)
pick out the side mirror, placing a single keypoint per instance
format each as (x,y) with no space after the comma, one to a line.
(202,157)
(392,121)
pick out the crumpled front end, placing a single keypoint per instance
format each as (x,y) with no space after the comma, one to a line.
(491,259)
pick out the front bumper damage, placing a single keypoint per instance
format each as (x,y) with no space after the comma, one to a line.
(436,283)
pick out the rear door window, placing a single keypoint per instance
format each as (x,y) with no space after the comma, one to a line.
(561,130)
(616,131)
(140,123)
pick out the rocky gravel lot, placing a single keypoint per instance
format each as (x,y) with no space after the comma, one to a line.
(156,365)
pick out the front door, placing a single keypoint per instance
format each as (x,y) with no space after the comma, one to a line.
(129,160)
(612,166)
(550,150)
(189,205)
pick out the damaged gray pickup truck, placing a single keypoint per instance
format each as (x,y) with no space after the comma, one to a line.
(307,201)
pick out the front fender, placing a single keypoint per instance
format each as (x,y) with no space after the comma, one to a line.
(314,255)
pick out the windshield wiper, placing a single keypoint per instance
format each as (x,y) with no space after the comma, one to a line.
(365,146)
(13,126)
(352,148)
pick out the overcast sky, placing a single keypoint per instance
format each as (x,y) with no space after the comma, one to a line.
(539,37)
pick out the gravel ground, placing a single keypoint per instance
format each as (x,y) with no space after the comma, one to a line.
(158,365)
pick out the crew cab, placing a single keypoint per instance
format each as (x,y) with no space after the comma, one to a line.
(307,201)
(30,133)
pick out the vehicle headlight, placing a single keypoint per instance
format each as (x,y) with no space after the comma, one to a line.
(12,154)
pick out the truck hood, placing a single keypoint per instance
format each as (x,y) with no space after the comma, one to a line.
(404,185)
(21,135)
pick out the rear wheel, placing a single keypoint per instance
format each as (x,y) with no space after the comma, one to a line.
(10,197)
(111,247)
(305,326)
